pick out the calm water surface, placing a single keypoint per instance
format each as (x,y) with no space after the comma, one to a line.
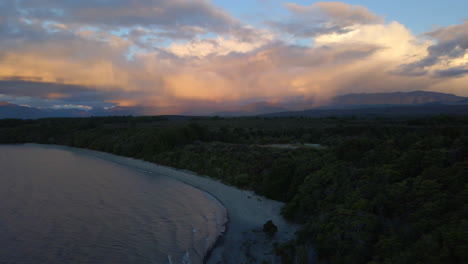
(57,206)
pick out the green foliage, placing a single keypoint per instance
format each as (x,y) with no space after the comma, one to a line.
(379,190)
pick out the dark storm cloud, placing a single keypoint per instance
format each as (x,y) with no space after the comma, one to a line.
(323,18)
(300,56)
(452,43)
(452,72)
(30,87)
(41,94)
(184,18)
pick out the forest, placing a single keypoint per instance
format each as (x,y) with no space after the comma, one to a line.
(363,189)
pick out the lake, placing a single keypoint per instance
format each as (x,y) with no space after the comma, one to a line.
(58,206)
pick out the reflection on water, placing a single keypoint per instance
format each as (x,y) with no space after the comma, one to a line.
(60,207)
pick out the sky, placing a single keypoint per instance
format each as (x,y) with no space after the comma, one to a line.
(202,56)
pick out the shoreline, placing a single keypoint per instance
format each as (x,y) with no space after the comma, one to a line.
(243,239)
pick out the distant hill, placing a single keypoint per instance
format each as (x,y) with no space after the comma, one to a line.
(377,104)
(397,98)
(360,101)
(252,109)
(8,110)
(403,110)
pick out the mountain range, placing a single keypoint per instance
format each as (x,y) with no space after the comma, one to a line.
(397,98)
(397,103)
(8,110)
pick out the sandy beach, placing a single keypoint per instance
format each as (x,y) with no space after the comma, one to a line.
(244,241)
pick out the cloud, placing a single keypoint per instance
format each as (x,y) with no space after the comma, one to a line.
(196,58)
(218,46)
(452,72)
(180,18)
(450,49)
(50,94)
(324,18)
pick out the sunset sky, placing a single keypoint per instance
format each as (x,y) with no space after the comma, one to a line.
(201,56)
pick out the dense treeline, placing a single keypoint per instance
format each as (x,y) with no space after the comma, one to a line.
(377,191)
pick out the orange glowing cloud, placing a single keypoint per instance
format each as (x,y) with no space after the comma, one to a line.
(124,103)
(241,65)
(57,95)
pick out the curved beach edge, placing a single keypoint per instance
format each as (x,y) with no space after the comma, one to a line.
(243,240)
